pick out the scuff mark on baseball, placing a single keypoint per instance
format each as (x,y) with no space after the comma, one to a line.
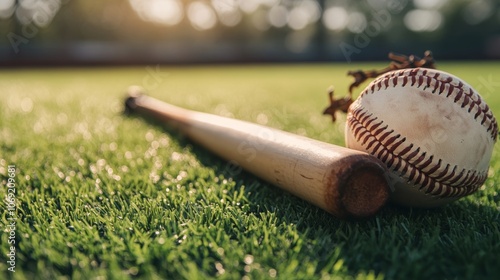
(433,131)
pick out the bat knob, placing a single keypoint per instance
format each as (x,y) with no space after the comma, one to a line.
(133,93)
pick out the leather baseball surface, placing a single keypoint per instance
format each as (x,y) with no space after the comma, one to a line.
(433,131)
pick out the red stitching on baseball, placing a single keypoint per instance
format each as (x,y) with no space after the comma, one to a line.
(442,184)
(382,138)
(426,163)
(435,167)
(406,150)
(466,101)
(398,143)
(458,92)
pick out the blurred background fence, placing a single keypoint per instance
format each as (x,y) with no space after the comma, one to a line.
(88,32)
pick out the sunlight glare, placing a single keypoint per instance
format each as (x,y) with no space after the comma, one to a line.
(249,6)
(167,12)
(335,18)
(24,16)
(423,20)
(201,16)
(45,12)
(278,16)
(228,12)
(313,9)
(306,12)
(40,13)
(478,11)
(298,18)
(7,8)
(429,4)
(357,22)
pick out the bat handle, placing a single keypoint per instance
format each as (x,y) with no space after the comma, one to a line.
(143,105)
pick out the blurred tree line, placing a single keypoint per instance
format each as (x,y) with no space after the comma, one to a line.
(135,31)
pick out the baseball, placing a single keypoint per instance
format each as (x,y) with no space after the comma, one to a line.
(433,131)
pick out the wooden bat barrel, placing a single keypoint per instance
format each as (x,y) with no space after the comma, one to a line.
(344,182)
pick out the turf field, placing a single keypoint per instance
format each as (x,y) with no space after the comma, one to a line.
(104,196)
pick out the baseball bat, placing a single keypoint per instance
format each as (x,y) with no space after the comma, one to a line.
(344,182)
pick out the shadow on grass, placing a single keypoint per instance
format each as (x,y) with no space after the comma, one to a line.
(460,240)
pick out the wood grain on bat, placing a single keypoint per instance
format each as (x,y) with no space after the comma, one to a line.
(341,181)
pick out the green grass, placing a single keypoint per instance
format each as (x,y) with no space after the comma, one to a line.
(101,195)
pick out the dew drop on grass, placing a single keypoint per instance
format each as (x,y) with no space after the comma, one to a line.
(154,177)
(158,164)
(128,154)
(220,268)
(155,145)
(149,136)
(101,162)
(164,142)
(179,241)
(248,259)
(109,170)
(182,174)
(176,156)
(60,175)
